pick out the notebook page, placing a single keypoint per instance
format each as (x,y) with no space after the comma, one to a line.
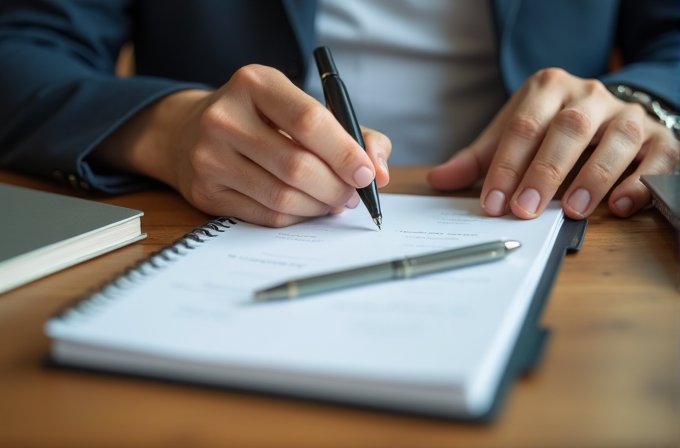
(447,330)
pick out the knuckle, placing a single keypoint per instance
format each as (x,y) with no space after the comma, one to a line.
(526,126)
(217,120)
(630,130)
(595,87)
(574,121)
(549,171)
(504,170)
(602,172)
(282,198)
(251,74)
(212,118)
(296,167)
(272,218)
(308,118)
(201,158)
(550,76)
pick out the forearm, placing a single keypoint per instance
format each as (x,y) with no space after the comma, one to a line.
(59,97)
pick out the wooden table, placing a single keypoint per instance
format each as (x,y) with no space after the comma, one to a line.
(609,377)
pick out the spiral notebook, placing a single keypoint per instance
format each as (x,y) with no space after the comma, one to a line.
(445,344)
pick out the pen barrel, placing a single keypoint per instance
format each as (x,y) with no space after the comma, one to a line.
(324,62)
(450,259)
(338,102)
(344,279)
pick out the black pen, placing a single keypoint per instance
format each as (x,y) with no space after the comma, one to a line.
(338,102)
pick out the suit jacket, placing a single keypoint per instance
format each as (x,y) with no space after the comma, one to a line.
(59,96)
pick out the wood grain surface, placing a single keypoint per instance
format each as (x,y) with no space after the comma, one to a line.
(609,377)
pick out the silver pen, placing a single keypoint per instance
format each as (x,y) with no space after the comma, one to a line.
(404,268)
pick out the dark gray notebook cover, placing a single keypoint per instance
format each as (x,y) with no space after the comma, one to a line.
(665,191)
(31,219)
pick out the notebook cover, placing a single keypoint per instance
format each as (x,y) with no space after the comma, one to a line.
(31,219)
(532,339)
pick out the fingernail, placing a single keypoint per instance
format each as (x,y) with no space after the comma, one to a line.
(363,176)
(383,165)
(494,203)
(579,200)
(625,205)
(353,201)
(529,200)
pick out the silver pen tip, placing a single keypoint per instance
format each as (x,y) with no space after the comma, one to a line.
(378,221)
(510,245)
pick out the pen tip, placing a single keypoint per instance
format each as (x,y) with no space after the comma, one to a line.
(378,222)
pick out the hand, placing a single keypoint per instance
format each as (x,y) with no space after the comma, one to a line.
(538,136)
(258,149)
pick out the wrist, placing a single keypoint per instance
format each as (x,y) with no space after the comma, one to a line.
(148,143)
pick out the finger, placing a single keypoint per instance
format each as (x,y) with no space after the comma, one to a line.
(662,155)
(293,165)
(621,141)
(471,163)
(465,167)
(233,203)
(230,169)
(525,130)
(307,122)
(254,181)
(378,148)
(570,132)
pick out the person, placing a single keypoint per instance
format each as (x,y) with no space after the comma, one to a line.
(217,109)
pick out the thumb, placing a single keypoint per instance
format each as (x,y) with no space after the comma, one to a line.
(471,163)
(466,166)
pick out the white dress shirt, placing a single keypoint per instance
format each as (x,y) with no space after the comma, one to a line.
(423,72)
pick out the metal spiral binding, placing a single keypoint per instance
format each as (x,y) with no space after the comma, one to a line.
(84,307)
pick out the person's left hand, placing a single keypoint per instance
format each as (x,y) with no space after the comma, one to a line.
(538,136)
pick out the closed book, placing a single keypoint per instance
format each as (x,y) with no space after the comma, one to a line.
(42,233)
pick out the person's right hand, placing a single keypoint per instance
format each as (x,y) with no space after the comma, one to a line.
(258,149)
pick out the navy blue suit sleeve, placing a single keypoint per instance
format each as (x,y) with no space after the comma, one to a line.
(648,37)
(59,96)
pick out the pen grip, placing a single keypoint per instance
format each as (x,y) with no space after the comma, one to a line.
(338,102)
